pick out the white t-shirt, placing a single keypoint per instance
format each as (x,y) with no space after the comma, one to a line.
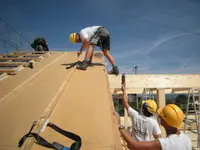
(176,142)
(88,32)
(143,128)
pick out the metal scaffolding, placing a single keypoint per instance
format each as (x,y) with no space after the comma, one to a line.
(10,39)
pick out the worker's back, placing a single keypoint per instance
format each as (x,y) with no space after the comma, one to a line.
(176,142)
(40,44)
(143,128)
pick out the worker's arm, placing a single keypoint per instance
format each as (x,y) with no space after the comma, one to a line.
(124,97)
(156,130)
(85,44)
(157,136)
(134,145)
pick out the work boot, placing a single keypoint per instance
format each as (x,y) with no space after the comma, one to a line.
(114,71)
(90,62)
(82,65)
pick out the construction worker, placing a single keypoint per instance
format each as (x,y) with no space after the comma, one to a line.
(144,126)
(91,37)
(40,44)
(171,118)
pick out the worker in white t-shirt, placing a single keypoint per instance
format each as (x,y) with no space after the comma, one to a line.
(171,118)
(144,126)
(91,37)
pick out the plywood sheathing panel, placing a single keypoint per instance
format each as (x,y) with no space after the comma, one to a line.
(85,108)
(27,95)
(31,91)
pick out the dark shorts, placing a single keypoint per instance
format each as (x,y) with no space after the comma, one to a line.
(101,38)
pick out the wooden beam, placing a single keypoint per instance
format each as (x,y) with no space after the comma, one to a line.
(8,65)
(156,81)
(160,100)
(140,90)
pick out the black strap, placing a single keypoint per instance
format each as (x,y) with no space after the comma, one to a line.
(65,133)
(41,141)
(71,65)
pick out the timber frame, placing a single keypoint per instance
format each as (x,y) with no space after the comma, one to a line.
(158,83)
(11,63)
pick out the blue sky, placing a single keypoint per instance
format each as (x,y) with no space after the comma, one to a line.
(159,36)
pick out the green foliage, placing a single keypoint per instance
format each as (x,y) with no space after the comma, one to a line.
(181,99)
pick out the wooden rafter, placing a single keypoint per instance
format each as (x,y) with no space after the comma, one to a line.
(10,63)
(23,55)
(21,58)
(32,52)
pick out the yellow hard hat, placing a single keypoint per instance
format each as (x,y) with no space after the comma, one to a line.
(151,105)
(72,37)
(172,115)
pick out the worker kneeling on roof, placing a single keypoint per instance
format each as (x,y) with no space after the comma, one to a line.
(91,37)
(144,126)
(40,44)
(171,118)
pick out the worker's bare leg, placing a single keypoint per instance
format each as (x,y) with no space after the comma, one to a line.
(115,69)
(90,61)
(109,56)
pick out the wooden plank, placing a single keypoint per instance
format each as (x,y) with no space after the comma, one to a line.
(35,55)
(11,55)
(32,52)
(8,71)
(23,55)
